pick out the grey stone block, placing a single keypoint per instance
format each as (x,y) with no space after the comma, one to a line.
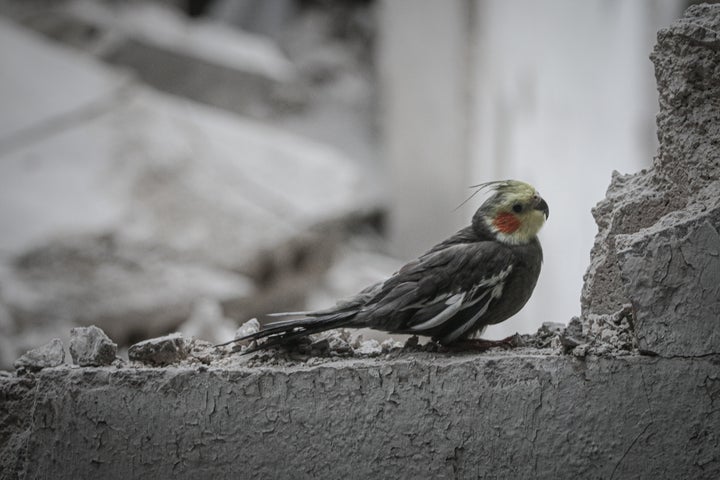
(657,242)
(672,277)
(51,354)
(159,351)
(418,416)
(89,346)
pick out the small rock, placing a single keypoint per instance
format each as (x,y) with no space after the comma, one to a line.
(370,348)
(159,351)
(201,351)
(412,342)
(90,347)
(580,350)
(320,346)
(51,354)
(569,342)
(356,342)
(390,344)
(338,344)
(552,327)
(247,328)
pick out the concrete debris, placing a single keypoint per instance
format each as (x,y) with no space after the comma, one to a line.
(247,328)
(201,352)
(90,347)
(369,348)
(412,342)
(51,354)
(339,342)
(389,344)
(600,335)
(658,241)
(155,210)
(160,351)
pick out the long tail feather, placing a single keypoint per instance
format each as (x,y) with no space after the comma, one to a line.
(286,331)
(289,337)
(287,314)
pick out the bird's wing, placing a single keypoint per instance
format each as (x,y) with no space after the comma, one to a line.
(444,293)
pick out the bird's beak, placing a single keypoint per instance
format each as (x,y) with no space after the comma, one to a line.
(542,205)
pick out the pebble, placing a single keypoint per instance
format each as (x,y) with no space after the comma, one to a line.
(159,351)
(91,347)
(51,354)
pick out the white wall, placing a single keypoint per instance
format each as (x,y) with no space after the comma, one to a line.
(424,74)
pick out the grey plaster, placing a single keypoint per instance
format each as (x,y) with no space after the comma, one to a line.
(672,275)
(421,415)
(657,229)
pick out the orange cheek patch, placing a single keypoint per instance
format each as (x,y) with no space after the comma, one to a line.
(506,222)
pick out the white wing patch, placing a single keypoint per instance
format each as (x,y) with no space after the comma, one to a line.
(497,282)
(454,303)
(455,334)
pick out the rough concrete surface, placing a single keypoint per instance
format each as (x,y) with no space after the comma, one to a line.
(419,416)
(673,278)
(657,245)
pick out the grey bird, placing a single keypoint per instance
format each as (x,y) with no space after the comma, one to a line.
(482,275)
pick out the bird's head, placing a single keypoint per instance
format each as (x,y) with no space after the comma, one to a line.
(515,213)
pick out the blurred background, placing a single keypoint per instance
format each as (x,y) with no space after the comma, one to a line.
(190,164)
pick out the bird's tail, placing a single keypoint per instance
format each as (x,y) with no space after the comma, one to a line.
(286,331)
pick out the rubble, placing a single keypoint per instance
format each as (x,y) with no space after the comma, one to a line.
(159,351)
(51,354)
(123,207)
(90,347)
(658,241)
(247,328)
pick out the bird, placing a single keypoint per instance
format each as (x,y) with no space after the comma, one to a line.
(482,275)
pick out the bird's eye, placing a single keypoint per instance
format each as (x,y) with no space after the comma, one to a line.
(517,208)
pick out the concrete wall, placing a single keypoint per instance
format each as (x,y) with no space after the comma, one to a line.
(651,412)
(420,416)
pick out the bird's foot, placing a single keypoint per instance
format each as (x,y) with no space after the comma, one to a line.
(482,345)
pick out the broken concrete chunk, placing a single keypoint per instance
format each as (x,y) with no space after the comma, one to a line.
(390,344)
(247,328)
(90,347)
(672,277)
(370,348)
(51,354)
(159,351)
(658,246)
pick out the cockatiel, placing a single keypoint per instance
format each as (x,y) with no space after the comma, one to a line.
(480,276)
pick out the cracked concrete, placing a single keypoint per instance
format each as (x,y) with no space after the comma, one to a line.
(420,415)
(658,244)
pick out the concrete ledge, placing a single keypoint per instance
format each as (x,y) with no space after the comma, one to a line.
(420,415)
